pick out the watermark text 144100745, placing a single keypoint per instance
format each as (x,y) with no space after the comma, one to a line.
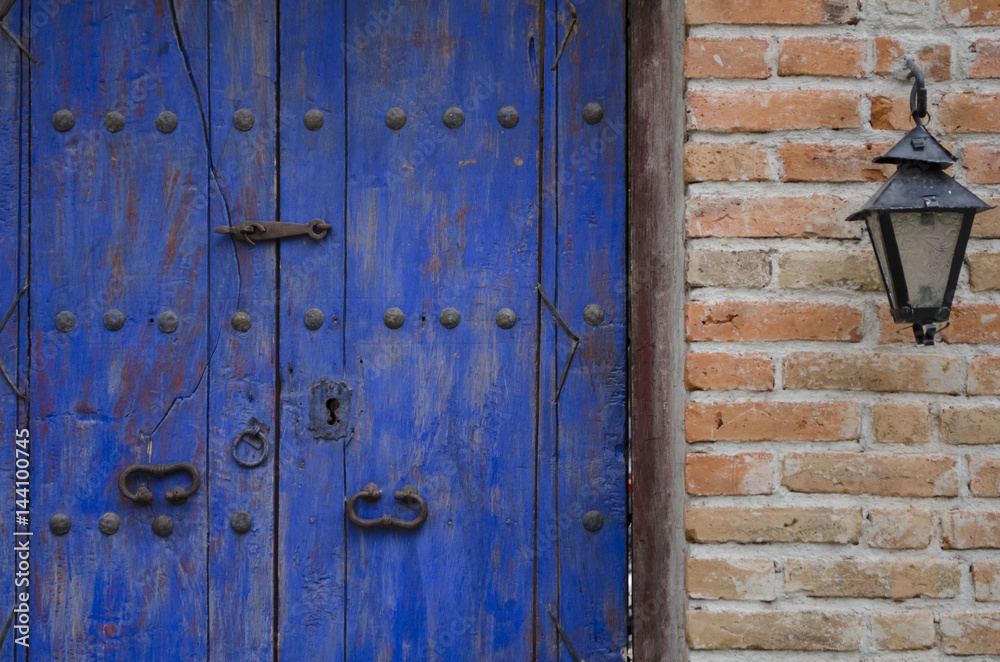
(21,617)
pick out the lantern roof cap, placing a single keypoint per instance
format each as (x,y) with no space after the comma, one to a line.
(913,188)
(918,146)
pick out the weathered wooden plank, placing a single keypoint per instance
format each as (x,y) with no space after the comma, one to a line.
(656,138)
(590,199)
(116,224)
(311,472)
(242,78)
(442,218)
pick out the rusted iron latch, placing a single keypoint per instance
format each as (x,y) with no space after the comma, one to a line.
(572,334)
(3,322)
(143,496)
(371,493)
(17,42)
(254,231)
(254,437)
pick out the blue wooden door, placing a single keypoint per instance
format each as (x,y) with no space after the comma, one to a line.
(409,435)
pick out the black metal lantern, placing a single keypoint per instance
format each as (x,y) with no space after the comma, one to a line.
(919,223)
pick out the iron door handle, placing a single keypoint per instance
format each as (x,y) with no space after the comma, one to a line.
(371,493)
(143,496)
(254,231)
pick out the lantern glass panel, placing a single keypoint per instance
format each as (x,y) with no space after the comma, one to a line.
(878,241)
(927,241)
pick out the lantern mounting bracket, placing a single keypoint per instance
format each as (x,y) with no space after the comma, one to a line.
(918,94)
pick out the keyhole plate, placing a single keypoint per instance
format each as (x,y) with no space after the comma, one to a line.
(330,410)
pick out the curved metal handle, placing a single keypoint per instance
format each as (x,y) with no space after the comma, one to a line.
(371,493)
(143,496)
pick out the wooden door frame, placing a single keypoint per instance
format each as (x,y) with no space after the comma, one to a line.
(656,334)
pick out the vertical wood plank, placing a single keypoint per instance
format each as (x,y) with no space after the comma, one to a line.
(592,473)
(118,222)
(243,77)
(310,573)
(656,138)
(438,218)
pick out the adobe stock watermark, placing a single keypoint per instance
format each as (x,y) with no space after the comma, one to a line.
(21,616)
(361,38)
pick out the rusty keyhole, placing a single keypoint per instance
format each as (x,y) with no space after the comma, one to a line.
(332,405)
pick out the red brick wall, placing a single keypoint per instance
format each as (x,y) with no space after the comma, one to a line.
(843,483)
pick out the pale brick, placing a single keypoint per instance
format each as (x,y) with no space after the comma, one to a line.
(762,12)
(917,373)
(810,269)
(709,474)
(891,113)
(984,476)
(970,113)
(845,57)
(987,61)
(984,376)
(962,529)
(902,7)
(903,631)
(771,421)
(753,110)
(728,162)
(976,633)
(896,528)
(901,423)
(982,161)
(780,524)
(754,321)
(730,579)
(984,271)
(742,57)
(733,269)
(882,578)
(722,371)
(970,426)
(986,581)
(987,223)
(868,473)
(801,631)
(971,12)
(774,216)
(825,162)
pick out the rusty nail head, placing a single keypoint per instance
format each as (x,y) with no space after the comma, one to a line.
(240,521)
(167,321)
(593,113)
(114,320)
(593,314)
(241,322)
(243,119)
(165,123)
(63,120)
(450,318)
(59,524)
(395,119)
(65,321)
(593,521)
(394,318)
(314,319)
(453,117)
(109,524)
(506,319)
(508,117)
(114,121)
(163,526)
(314,120)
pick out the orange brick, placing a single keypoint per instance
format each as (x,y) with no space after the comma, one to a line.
(730,579)
(918,373)
(934,61)
(982,161)
(841,526)
(742,57)
(867,473)
(823,162)
(762,12)
(760,110)
(774,630)
(771,421)
(986,580)
(722,371)
(891,113)
(984,271)
(750,321)
(888,52)
(890,332)
(963,529)
(987,224)
(901,423)
(773,216)
(725,162)
(894,528)
(971,12)
(987,61)
(971,633)
(709,474)
(974,323)
(984,476)
(970,113)
(971,426)
(894,580)
(984,376)
(844,57)
(903,631)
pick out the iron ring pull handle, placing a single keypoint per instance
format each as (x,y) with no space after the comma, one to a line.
(143,496)
(371,493)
